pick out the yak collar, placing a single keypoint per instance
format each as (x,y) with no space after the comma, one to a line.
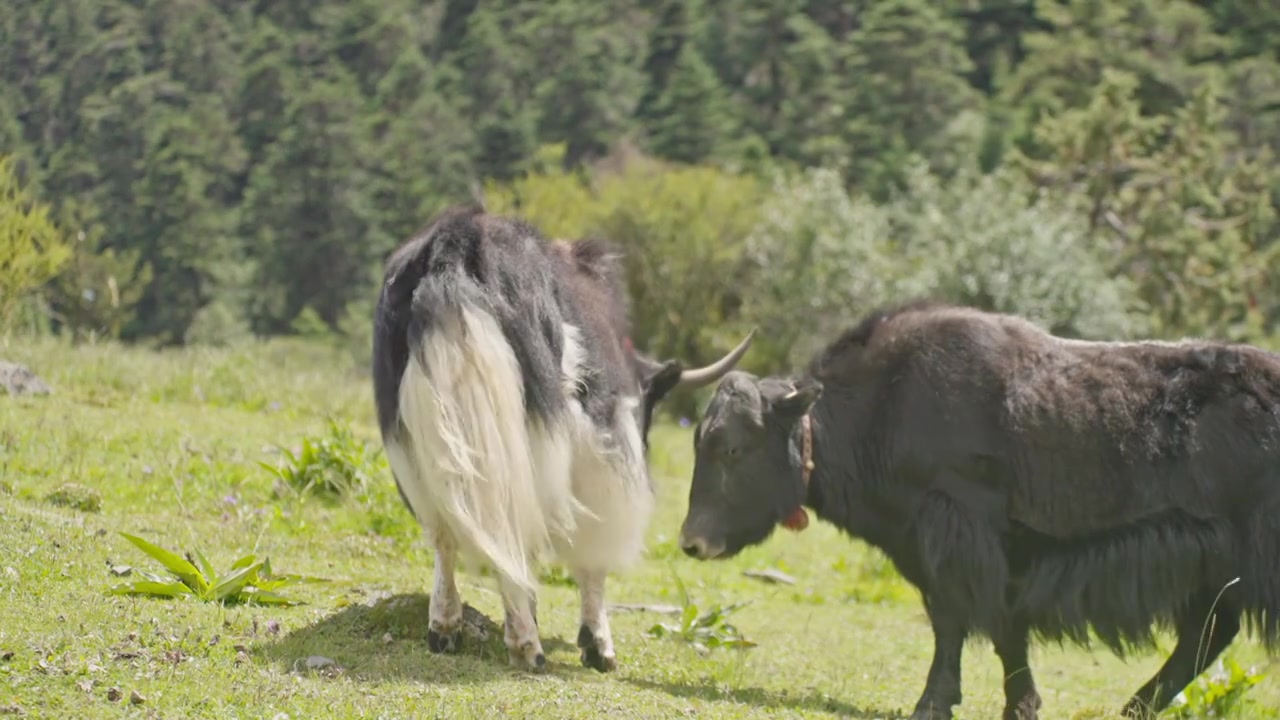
(799,519)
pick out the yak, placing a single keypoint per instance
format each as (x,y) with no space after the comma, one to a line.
(1028,485)
(515,412)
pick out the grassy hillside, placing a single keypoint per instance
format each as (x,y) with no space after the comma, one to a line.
(167,447)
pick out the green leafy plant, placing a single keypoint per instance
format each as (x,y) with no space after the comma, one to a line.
(334,465)
(248,580)
(556,575)
(1216,695)
(706,630)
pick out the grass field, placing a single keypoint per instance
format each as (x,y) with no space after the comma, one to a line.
(168,447)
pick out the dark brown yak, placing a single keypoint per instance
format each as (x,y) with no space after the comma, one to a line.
(1026,484)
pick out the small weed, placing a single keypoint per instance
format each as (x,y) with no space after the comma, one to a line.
(334,466)
(555,575)
(248,580)
(1217,695)
(703,631)
(77,497)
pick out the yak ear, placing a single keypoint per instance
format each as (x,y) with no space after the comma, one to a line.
(796,400)
(658,379)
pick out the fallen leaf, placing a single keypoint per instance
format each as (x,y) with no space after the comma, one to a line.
(136,698)
(661,609)
(771,575)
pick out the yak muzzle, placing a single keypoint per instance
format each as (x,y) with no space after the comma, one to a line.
(698,547)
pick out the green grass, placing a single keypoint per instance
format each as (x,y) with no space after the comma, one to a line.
(173,446)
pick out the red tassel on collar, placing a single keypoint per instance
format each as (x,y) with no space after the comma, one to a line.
(799,519)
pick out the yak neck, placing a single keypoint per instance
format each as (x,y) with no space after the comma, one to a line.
(815,492)
(803,440)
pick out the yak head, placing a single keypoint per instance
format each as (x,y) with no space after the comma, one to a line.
(747,472)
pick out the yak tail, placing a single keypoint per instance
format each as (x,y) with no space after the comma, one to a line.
(473,462)
(1260,581)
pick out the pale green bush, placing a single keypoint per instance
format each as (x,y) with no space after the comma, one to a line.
(821,259)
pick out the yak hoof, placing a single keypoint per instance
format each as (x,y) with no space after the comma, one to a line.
(592,658)
(931,712)
(444,642)
(1028,708)
(527,657)
(1136,709)
(590,654)
(522,661)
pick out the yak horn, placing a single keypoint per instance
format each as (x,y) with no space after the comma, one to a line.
(698,377)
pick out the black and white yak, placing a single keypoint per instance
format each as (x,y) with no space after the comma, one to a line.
(1025,483)
(515,415)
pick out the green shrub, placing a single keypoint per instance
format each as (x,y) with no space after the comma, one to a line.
(333,466)
(683,230)
(32,250)
(819,259)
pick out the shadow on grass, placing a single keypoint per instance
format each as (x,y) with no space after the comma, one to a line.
(355,639)
(766,699)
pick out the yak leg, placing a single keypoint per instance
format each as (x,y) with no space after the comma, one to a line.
(520,627)
(1204,631)
(445,613)
(942,689)
(594,638)
(1022,701)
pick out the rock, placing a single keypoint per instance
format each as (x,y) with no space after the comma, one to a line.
(315,662)
(322,665)
(19,380)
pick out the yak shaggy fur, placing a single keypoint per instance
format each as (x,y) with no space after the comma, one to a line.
(1027,482)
